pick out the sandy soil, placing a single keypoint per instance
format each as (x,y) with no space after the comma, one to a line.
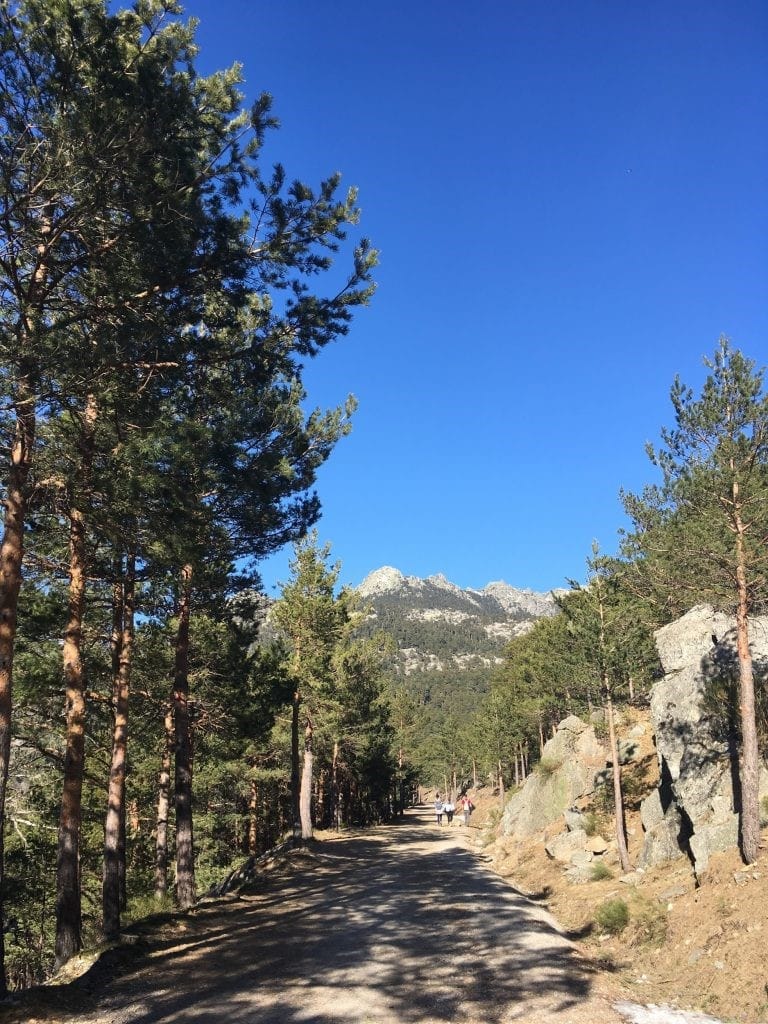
(396,925)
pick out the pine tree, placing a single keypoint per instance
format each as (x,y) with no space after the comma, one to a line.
(113,161)
(704,529)
(311,619)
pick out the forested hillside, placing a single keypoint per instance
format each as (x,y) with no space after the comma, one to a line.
(160,720)
(447,643)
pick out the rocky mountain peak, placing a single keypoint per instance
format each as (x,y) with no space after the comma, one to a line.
(514,600)
(380,581)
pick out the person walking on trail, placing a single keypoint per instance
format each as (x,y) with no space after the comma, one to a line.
(438,809)
(450,809)
(466,808)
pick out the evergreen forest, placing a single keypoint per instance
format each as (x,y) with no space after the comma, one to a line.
(161,720)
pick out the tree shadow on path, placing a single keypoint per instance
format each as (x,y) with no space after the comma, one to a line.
(398,925)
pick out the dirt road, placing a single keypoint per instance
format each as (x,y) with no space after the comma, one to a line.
(398,925)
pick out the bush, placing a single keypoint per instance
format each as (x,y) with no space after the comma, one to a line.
(590,823)
(547,766)
(764,812)
(649,925)
(600,870)
(612,916)
(141,907)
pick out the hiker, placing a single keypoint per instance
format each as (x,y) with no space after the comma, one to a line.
(439,809)
(450,809)
(466,807)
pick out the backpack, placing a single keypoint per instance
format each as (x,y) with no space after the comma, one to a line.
(438,805)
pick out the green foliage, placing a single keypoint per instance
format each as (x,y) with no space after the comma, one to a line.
(686,529)
(337,675)
(612,916)
(132,191)
(547,766)
(599,871)
(650,924)
(590,823)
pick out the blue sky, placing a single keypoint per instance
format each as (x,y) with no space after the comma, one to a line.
(570,203)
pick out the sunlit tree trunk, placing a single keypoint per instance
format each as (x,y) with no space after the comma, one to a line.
(618,797)
(750,755)
(114,829)
(163,805)
(185,852)
(253,819)
(295,764)
(305,801)
(11,556)
(68,897)
(335,794)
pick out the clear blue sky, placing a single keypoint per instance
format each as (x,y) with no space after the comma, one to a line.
(570,200)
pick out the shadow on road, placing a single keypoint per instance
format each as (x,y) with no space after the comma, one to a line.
(401,924)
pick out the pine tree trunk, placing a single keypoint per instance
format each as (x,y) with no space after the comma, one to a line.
(123,845)
(185,851)
(335,787)
(163,803)
(253,819)
(501,786)
(11,556)
(750,755)
(305,803)
(618,798)
(114,829)
(68,907)
(68,897)
(295,766)
(320,800)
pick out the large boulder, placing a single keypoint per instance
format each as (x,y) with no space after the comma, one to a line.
(565,845)
(566,772)
(665,838)
(693,811)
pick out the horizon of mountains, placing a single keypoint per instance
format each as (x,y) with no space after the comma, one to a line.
(448,638)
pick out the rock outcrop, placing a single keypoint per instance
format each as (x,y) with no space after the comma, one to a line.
(693,812)
(569,765)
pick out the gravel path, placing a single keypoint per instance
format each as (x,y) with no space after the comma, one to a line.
(399,925)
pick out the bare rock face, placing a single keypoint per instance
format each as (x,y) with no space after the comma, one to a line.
(693,811)
(686,641)
(569,764)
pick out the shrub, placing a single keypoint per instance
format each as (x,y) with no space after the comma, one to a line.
(493,817)
(649,925)
(612,916)
(141,907)
(764,812)
(547,766)
(590,823)
(600,870)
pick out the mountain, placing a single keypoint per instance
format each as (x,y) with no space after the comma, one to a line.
(439,627)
